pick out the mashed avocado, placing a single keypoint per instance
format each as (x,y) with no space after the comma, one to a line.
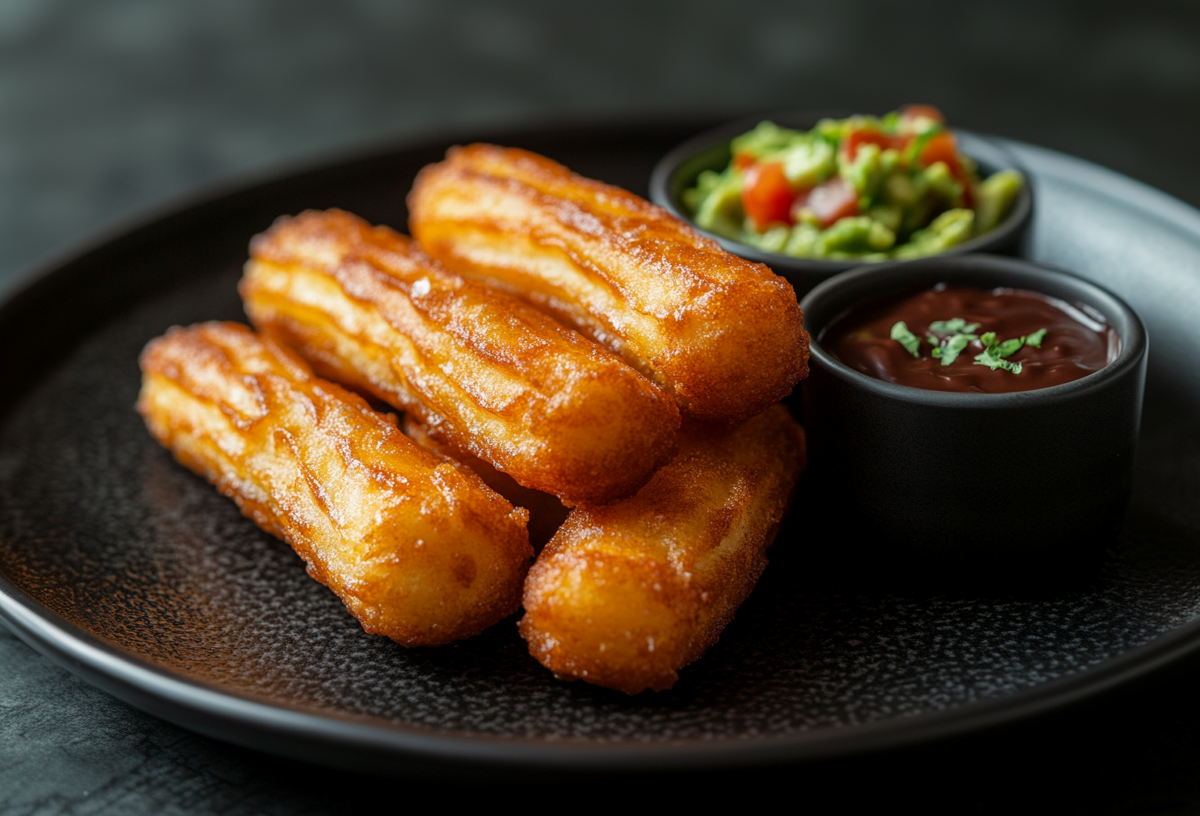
(864,188)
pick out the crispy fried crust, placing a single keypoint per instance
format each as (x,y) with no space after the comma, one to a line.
(546,513)
(723,334)
(485,372)
(417,549)
(625,595)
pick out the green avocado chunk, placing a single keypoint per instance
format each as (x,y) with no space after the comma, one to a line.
(995,197)
(807,163)
(719,208)
(948,229)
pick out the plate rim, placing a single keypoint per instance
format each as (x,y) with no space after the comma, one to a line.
(378,745)
(349,741)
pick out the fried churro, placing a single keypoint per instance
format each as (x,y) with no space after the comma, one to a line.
(723,334)
(418,549)
(483,371)
(626,595)
(546,513)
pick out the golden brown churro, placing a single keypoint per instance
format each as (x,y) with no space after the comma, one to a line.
(416,548)
(546,513)
(486,373)
(722,334)
(626,595)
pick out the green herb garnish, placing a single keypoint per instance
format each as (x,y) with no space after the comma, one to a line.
(906,338)
(957,335)
(960,332)
(955,325)
(994,351)
(954,347)
(993,354)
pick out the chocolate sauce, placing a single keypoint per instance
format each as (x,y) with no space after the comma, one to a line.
(1077,341)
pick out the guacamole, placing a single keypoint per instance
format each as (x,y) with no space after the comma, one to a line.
(863,188)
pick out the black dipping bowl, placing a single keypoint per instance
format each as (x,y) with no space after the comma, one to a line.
(976,482)
(677,171)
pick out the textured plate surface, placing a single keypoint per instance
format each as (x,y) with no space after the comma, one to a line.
(126,568)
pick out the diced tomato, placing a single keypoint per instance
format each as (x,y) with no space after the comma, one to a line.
(829,201)
(857,137)
(942,147)
(743,160)
(766,194)
(911,112)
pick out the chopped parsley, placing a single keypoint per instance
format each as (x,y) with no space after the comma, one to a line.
(904,337)
(994,351)
(953,326)
(957,334)
(954,347)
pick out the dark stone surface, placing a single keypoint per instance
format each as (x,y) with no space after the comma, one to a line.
(108,108)
(111,106)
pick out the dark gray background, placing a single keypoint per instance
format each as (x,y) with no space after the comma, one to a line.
(110,108)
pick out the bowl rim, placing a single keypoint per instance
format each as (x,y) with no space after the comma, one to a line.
(899,275)
(667,168)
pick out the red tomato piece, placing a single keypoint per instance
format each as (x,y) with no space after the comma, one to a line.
(766,194)
(830,201)
(900,142)
(857,137)
(942,147)
(743,160)
(922,112)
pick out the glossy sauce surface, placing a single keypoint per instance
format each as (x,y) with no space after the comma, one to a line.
(1077,341)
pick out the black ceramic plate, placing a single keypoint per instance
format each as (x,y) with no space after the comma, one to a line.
(135,574)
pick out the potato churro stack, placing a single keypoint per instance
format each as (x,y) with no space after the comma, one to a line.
(542,341)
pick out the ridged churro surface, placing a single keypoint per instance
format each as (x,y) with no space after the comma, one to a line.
(416,548)
(626,595)
(722,333)
(483,371)
(546,513)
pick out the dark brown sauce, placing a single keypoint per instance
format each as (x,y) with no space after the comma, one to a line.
(1077,342)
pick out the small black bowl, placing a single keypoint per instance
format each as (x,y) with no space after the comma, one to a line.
(677,171)
(975,483)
